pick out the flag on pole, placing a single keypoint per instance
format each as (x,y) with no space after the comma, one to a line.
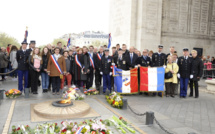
(152,79)
(68,42)
(125,82)
(26,34)
(109,40)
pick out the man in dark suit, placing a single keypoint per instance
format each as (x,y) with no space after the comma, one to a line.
(122,61)
(23,67)
(106,70)
(90,75)
(97,59)
(172,51)
(132,56)
(184,63)
(144,60)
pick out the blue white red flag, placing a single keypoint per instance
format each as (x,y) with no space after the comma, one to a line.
(68,42)
(109,40)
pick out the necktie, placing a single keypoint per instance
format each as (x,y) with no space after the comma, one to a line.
(131,58)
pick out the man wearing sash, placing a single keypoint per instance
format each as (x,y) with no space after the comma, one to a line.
(56,68)
(90,76)
(98,76)
(106,70)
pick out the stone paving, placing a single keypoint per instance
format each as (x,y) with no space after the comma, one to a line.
(179,116)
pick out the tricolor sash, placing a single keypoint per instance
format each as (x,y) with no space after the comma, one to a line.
(91,61)
(77,61)
(99,56)
(56,64)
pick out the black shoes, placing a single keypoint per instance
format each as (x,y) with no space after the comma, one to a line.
(190,95)
(35,93)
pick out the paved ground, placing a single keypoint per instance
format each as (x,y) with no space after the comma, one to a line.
(179,116)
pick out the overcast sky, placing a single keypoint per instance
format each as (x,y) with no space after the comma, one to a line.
(49,19)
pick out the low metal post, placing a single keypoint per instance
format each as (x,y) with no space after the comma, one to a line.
(1,95)
(100,91)
(26,92)
(125,103)
(149,118)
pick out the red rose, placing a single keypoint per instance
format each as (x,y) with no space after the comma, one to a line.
(113,102)
(120,118)
(55,124)
(18,128)
(101,120)
(64,130)
(62,122)
(93,132)
(103,132)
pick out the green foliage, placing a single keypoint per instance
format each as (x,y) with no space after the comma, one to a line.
(55,41)
(5,39)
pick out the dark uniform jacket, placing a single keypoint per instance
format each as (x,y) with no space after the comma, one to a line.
(106,64)
(144,62)
(72,60)
(184,67)
(197,68)
(22,59)
(134,59)
(158,59)
(126,53)
(123,63)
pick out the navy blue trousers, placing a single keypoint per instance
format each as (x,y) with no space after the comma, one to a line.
(106,82)
(22,73)
(183,86)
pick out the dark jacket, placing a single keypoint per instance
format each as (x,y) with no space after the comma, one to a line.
(197,68)
(3,60)
(126,53)
(72,60)
(22,59)
(98,62)
(45,59)
(134,59)
(79,75)
(184,67)
(158,59)
(106,64)
(124,63)
(144,62)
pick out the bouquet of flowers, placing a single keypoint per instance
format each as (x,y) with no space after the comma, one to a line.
(72,94)
(67,127)
(91,91)
(13,93)
(120,124)
(115,100)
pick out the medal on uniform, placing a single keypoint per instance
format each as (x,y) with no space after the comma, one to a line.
(181,61)
(147,62)
(124,62)
(109,60)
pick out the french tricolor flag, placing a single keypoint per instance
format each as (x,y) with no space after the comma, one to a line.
(152,79)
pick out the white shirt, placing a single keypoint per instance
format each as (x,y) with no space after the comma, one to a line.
(56,56)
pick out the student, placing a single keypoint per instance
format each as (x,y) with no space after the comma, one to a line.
(68,75)
(44,74)
(35,61)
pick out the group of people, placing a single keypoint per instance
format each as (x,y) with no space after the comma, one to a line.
(74,65)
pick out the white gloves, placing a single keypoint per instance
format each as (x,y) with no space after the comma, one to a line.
(178,76)
(101,73)
(113,64)
(191,76)
(110,73)
(136,66)
(164,66)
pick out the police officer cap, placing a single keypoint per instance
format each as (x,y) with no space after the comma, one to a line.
(185,49)
(160,46)
(32,42)
(106,50)
(24,42)
(120,49)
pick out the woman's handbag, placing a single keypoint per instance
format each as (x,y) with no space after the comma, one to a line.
(169,75)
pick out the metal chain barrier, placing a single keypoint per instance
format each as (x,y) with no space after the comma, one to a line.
(138,114)
(8,72)
(161,126)
(142,114)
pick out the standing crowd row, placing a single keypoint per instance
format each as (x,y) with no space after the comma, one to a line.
(65,66)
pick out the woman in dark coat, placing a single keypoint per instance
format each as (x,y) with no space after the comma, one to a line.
(196,73)
(80,68)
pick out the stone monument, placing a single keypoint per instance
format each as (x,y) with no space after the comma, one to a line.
(147,23)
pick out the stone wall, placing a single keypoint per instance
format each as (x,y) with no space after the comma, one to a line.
(147,23)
